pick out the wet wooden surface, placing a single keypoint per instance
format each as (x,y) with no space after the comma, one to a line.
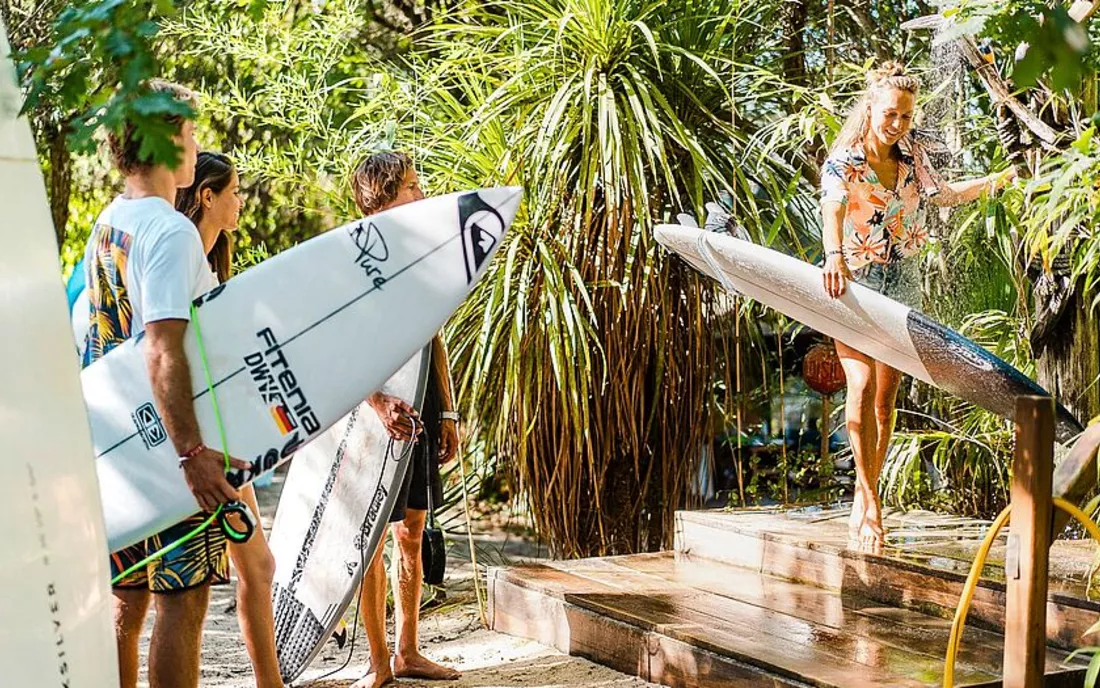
(1028,546)
(735,626)
(922,567)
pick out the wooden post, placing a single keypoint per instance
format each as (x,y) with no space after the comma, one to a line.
(1027,557)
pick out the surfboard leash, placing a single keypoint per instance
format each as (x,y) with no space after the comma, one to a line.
(222,513)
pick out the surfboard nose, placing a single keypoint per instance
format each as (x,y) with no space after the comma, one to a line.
(685,242)
(505,200)
(676,236)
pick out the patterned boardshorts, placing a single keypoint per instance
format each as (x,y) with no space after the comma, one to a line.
(204,559)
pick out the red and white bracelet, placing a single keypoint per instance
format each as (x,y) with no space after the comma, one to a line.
(192,452)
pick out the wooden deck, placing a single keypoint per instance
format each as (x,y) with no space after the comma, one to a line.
(776,598)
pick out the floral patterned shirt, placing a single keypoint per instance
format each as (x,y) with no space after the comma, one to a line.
(880,225)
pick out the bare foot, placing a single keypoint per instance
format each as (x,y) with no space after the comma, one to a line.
(855,520)
(376,679)
(871,534)
(419,666)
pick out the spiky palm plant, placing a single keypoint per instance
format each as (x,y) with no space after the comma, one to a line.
(587,356)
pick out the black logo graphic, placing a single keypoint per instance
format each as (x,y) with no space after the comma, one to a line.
(209,296)
(280,390)
(372,250)
(149,425)
(482,227)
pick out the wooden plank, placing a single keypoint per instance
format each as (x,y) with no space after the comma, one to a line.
(529,613)
(905,582)
(547,619)
(664,606)
(780,648)
(1029,543)
(679,635)
(1076,474)
(903,628)
(683,665)
(778,643)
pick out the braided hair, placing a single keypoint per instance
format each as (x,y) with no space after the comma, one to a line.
(889,76)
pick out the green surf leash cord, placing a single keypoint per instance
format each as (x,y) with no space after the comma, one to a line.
(223,510)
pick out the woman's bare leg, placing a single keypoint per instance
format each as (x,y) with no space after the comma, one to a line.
(859,409)
(255,571)
(409,574)
(887,381)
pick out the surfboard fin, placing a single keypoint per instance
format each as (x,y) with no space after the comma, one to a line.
(719,220)
(340,635)
(687,220)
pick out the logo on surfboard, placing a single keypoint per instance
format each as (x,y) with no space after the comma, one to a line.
(373,250)
(279,387)
(482,227)
(149,425)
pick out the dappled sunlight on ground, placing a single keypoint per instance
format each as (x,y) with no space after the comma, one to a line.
(451,634)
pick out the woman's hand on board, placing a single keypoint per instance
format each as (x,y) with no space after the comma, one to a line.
(836,275)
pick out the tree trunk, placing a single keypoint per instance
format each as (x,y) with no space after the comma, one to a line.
(61,179)
(794,59)
(1070,364)
(861,15)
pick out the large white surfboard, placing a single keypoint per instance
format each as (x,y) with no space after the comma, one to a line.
(55,606)
(863,319)
(293,344)
(335,503)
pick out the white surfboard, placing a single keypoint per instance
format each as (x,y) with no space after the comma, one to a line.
(293,345)
(54,593)
(863,319)
(335,503)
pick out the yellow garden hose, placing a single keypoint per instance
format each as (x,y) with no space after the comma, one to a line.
(976,571)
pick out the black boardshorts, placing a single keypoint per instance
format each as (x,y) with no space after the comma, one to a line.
(424,463)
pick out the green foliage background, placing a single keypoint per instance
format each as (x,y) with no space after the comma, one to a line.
(594,367)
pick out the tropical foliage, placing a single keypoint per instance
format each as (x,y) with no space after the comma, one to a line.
(596,370)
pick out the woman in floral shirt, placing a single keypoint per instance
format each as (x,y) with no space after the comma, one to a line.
(872,190)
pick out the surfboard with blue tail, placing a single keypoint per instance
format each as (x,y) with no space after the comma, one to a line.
(863,319)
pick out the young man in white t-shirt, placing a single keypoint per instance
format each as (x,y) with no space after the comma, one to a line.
(144,265)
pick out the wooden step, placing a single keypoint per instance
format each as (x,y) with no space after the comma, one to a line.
(682,621)
(923,566)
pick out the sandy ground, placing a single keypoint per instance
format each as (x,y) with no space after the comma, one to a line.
(451,633)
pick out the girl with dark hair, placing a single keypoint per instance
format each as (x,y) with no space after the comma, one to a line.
(873,187)
(213,203)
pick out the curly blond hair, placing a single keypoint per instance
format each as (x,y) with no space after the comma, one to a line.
(377,180)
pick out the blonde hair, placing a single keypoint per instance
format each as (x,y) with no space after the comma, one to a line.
(891,75)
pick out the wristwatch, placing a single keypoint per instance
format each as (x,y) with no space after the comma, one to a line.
(449,415)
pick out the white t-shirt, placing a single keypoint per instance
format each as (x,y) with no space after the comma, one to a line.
(145,263)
